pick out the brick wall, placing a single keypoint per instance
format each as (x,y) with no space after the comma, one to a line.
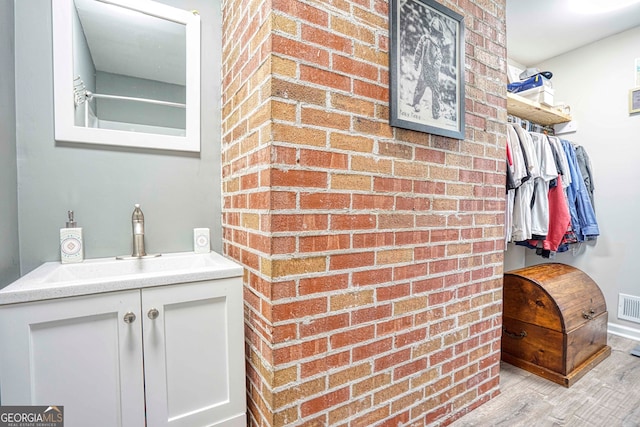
(373,255)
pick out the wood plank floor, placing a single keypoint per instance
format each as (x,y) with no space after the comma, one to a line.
(608,395)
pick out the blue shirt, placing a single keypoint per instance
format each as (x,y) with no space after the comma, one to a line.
(583,217)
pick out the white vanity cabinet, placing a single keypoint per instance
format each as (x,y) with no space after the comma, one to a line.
(166,355)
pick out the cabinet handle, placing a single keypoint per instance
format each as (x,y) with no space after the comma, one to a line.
(519,336)
(129,317)
(153,314)
(589,315)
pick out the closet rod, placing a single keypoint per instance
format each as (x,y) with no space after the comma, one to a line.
(129,98)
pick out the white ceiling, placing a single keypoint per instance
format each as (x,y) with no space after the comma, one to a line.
(542,29)
(131,43)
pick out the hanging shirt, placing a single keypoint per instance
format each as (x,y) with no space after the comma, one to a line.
(518,168)
(564,163)
(583,217)
(546,173)
(559,219)
(521,229)
(584,163)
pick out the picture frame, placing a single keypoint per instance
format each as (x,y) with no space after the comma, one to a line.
(426,68)
(634,100)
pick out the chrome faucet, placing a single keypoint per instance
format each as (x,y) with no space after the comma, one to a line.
(137,223)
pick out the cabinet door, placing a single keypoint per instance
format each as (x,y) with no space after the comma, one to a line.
(76,352)
(194,354)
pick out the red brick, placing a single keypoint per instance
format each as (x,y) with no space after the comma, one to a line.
(352,336)
(324,364)
(324,118)
(454,364)
(298,178)
(299,351)
(409,338)
(355,67)
(297,222)
(324,78)
(353,30)
(302,11)
(413,203)
(279,200)
(412,237)
(298,309)
(284,333)
(324,402)
(282,290)
(386,293)
(374,91)
(299,50)
(323,159)
(325,201)
(373,240)
(442,266)
(369,350)
(323,284)
(324,324)
(395,358)
(351,260)
(296,92)
(445,235)
(429,252)
(371,418)
(372,201)
(332,41)
(441,327)
(347,103)
(324,243)
(282,245)
(372,276)
(394,185)
(396,221)
(410,271)
(369,314)
(409,369)
(441,356)
(394,325)
(427,285)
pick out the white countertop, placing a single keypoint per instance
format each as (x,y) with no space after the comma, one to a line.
(55,280)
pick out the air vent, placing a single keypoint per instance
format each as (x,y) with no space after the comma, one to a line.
(629,308)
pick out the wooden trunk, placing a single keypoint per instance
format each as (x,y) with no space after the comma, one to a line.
(554,322)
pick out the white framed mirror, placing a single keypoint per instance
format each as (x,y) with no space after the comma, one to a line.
(126,73)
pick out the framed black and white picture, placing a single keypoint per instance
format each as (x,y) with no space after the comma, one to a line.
(426,67)
(634,101)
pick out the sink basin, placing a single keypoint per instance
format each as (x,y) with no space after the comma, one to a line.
(103,269)
(56,280)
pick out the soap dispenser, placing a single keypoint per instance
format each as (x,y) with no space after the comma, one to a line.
(71,244)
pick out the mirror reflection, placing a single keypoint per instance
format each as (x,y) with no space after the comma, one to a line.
(130,70)
(126,74)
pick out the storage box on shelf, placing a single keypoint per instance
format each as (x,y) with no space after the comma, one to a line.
(541,94)
(534,111)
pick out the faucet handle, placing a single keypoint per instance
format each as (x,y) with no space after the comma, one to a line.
(137,213)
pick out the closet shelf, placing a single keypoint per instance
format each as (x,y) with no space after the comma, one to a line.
(534,111)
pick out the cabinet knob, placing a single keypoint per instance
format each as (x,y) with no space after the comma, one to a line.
(153,314)
(129,317)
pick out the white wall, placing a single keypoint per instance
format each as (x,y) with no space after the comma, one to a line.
(9,260)
(595,81)
(101,184)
